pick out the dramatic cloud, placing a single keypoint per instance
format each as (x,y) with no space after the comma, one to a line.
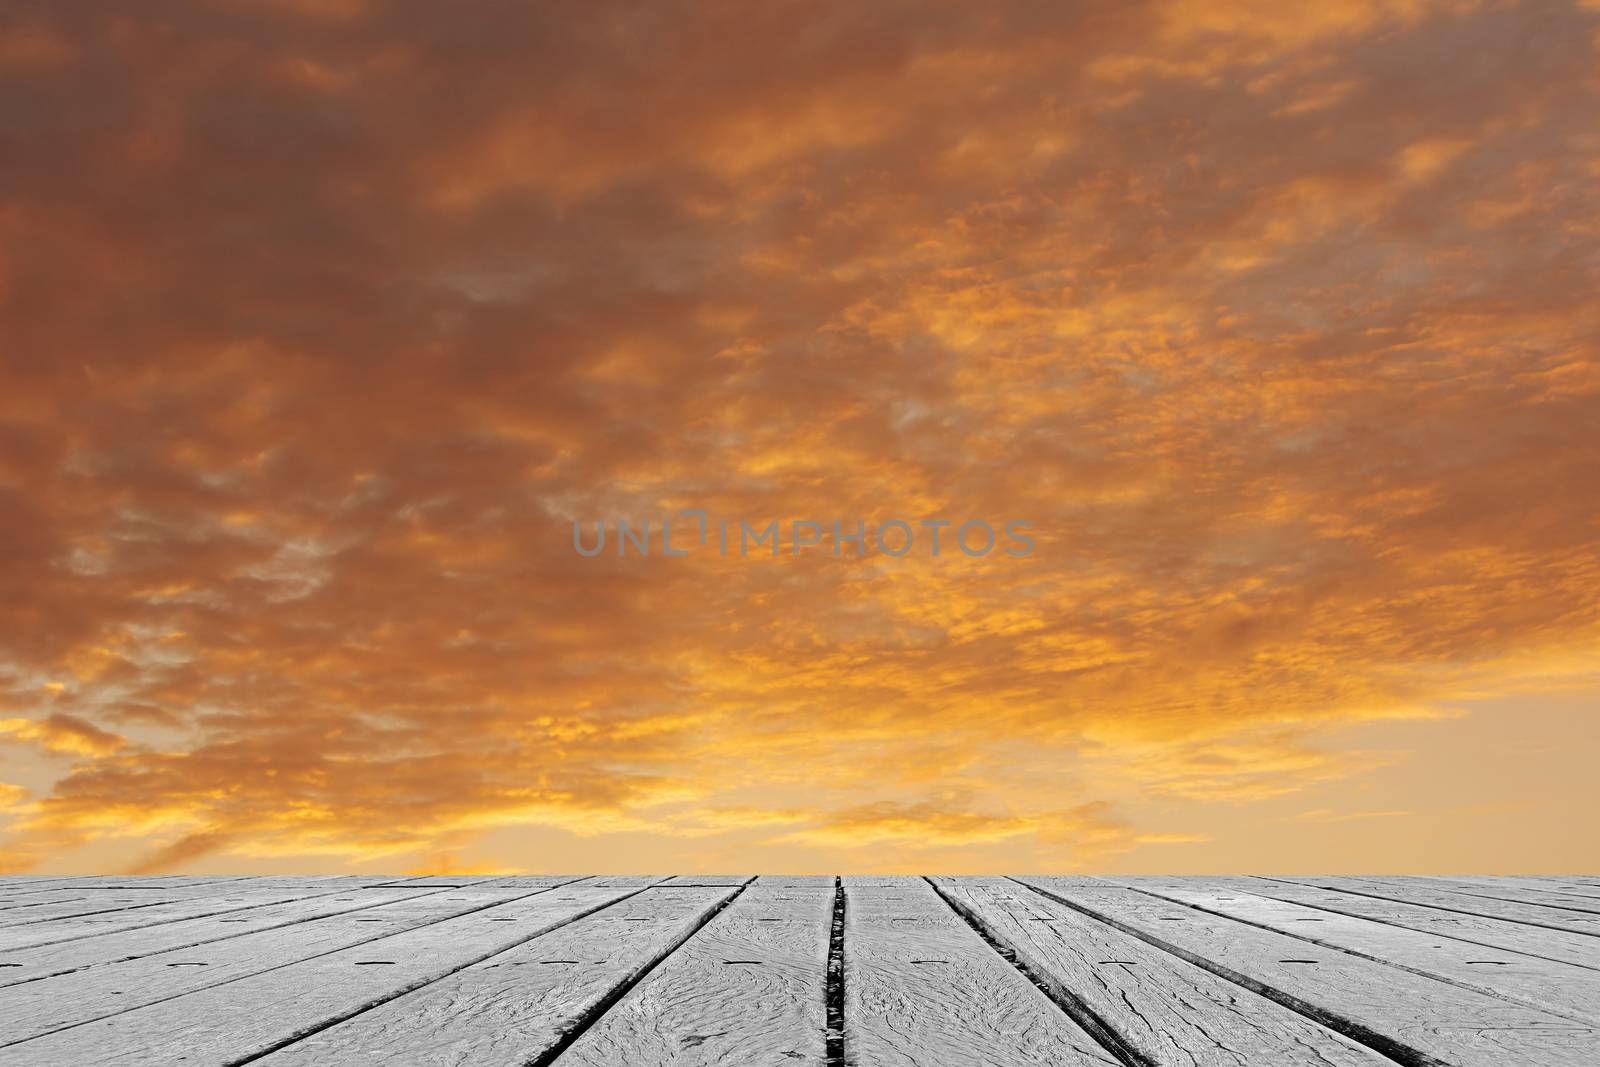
(323,322)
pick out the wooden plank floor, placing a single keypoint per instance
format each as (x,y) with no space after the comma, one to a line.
(779,971)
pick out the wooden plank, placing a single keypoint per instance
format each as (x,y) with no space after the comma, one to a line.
(125,881)
(523,1004)
(1556,988)
(1407,1016)
(794,881)
(221,1023)
(1414,892)
(71,928)
(26,965)
(921,988)
(749,988)
(34,901)
(1507,889)
(39,1007)
(441,881)
(710,879)
(104,904)
(535,881)
(1162,1007)
(81,886)
(1560,945)
(1564,886)
(629,881)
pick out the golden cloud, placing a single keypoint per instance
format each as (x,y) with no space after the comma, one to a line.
(323,322)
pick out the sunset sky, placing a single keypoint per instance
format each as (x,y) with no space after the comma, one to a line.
(322,320)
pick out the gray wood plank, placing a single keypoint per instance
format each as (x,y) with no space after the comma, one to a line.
(7,907)
(71,928)
(109,883)
(1508,889)
(30,964)
(443,881)
(250,1015)
(39,1007)
(518,1006)
(1166,1009)
(1557,988)
(709,879)
(1415,892)
(1566,886)
(104,904)
(921,988)
(747,990)
(534,881)
(1560,945)
(1378,1004)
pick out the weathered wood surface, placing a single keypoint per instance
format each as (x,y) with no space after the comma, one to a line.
(921,988)
(864,970)
(1571,992)
(1558,945)
(1434,895)
(749,988)
(39,1007)
(1164,1008)
(518,1005)
(1410,1017)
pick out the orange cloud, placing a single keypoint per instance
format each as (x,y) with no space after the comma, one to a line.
(323,322)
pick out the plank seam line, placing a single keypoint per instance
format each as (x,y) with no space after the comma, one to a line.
(1487,882)
(1514,900)
(223,937)
(833,995)
(35,904)
(95,911)
(151,926)
(1385,1046)
(67,885)
(596,1011)
(1437,907)
(1430,933)
(279,967)
(1358,954)
(397,994)
(1103,1033)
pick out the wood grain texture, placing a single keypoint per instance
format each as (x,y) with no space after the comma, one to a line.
(922,989)
(97,924)
(1507,889)
(1412,1015)
(1418,891)
(39,1007)
(220,1024)
(1565,886)
(1168,1010)
(509,1010)
(863,971)
(30,964)
(105,904)
(747,990)
(1558,945)
(1558,988)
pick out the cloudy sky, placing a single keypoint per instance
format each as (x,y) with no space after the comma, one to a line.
(321,320)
